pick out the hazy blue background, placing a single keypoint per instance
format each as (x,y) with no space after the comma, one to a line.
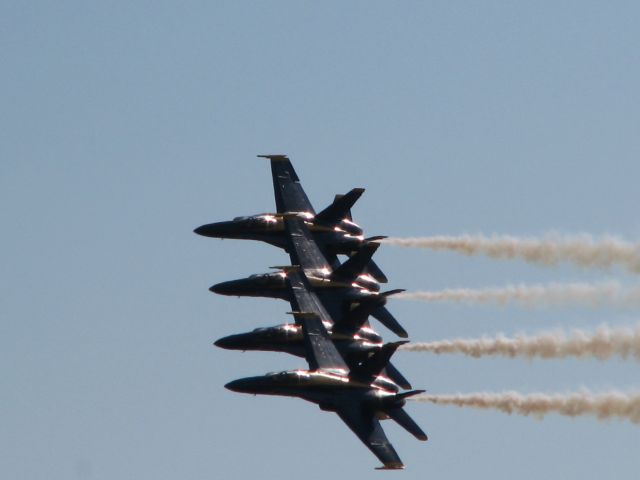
(123,127)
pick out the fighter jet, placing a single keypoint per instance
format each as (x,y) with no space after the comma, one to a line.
(333,228)
(338,289)
(359,395)
(355,341)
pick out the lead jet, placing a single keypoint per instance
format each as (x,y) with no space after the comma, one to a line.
(333,228)
(338,289)
(360,395)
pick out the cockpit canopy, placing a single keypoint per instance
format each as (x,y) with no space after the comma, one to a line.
(261,278)
(279,376)
(258,218)
(245,218)
(266,332)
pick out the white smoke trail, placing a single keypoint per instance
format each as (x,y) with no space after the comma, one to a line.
(603,406)
(598,294)
(601,344)
(584,250)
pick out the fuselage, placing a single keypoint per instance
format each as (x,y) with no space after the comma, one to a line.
(327,388)
(289,338)
(342,238)
(273,285)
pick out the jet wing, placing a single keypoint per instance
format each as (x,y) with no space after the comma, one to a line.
(368,429)
(304,250)
(290,196)
(320,351)
(303,299)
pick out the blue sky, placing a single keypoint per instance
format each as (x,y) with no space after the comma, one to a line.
(124,126)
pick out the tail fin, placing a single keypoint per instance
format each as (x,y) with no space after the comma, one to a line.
(353,320)
(369,369)
(347,215)
(355,265)
(340,208)
(406,422)
(372,268)
(384,316)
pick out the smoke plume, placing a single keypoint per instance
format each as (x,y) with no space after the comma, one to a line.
(601,344)
(584,250)
(595,295)
(603,406)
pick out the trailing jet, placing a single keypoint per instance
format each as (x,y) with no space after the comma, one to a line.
(355,341)
(338,289)
(359,395)
(332,228)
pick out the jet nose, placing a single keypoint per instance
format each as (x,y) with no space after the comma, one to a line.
(201,230)
(235,386)
(244,385)
(216,230)
(230,342)
(224,288)
(253,385)
(241,287)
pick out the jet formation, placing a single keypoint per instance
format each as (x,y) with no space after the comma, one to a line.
(349,372)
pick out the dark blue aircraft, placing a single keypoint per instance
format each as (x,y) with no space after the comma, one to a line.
(338,289)
(361,395)
(333,228)
(349,370)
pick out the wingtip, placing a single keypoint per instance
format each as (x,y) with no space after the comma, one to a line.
(274,157)
(391,466)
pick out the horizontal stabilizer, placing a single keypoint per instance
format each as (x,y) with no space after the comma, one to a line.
(393,292)
(355,265)
(404,395)
(405,421)
(375,238)
(384,316)
(374,270)
(394,374)
(339,209)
